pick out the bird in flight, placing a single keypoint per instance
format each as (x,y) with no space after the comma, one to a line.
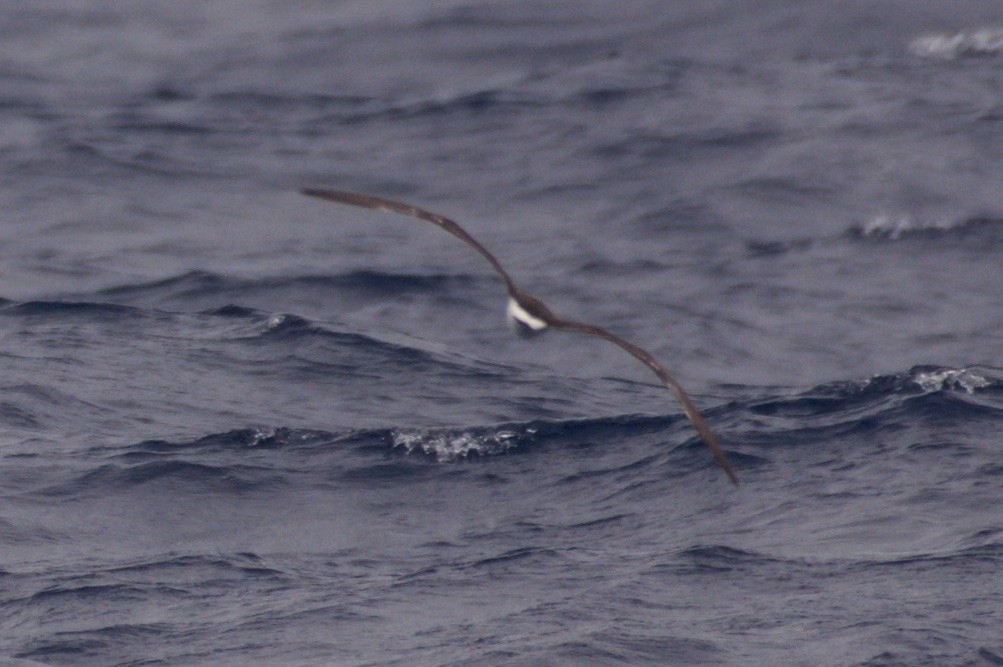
(527,314)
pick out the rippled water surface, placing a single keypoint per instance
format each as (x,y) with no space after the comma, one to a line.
(241,426)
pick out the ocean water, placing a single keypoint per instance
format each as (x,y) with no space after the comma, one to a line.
(240,426)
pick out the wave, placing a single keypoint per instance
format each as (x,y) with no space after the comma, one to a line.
(601,80)
(89,309)
(980,42)
(923,389)
(719,558)
(932,379)
(233,323)
(194,284)
(455,444)
(893,227)
(354,109)
(226,111)
(856,399)
(251,459)
(886,227)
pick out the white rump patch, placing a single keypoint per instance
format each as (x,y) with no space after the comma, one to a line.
(521,321)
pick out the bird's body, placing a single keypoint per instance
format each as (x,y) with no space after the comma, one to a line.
(527,314)
(524,324)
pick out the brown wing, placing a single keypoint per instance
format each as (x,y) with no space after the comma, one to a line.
(534,305)
(379,203)
(688,406)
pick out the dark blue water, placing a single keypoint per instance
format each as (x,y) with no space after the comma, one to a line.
(239,426)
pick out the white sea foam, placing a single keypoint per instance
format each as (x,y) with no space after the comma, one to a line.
(893,226)
(951,378)
(980,42)
(456,445)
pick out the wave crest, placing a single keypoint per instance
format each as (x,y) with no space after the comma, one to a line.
(941,379)
(896,226)
(446,446)
(950,46)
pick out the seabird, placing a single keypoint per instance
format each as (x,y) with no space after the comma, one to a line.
(526,313)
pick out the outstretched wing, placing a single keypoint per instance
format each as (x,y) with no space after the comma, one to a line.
(533,305)
(379,203)
(688,406)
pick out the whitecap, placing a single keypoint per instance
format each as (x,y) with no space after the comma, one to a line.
(894,226)
(949,46)
(448,446)
(950,378)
